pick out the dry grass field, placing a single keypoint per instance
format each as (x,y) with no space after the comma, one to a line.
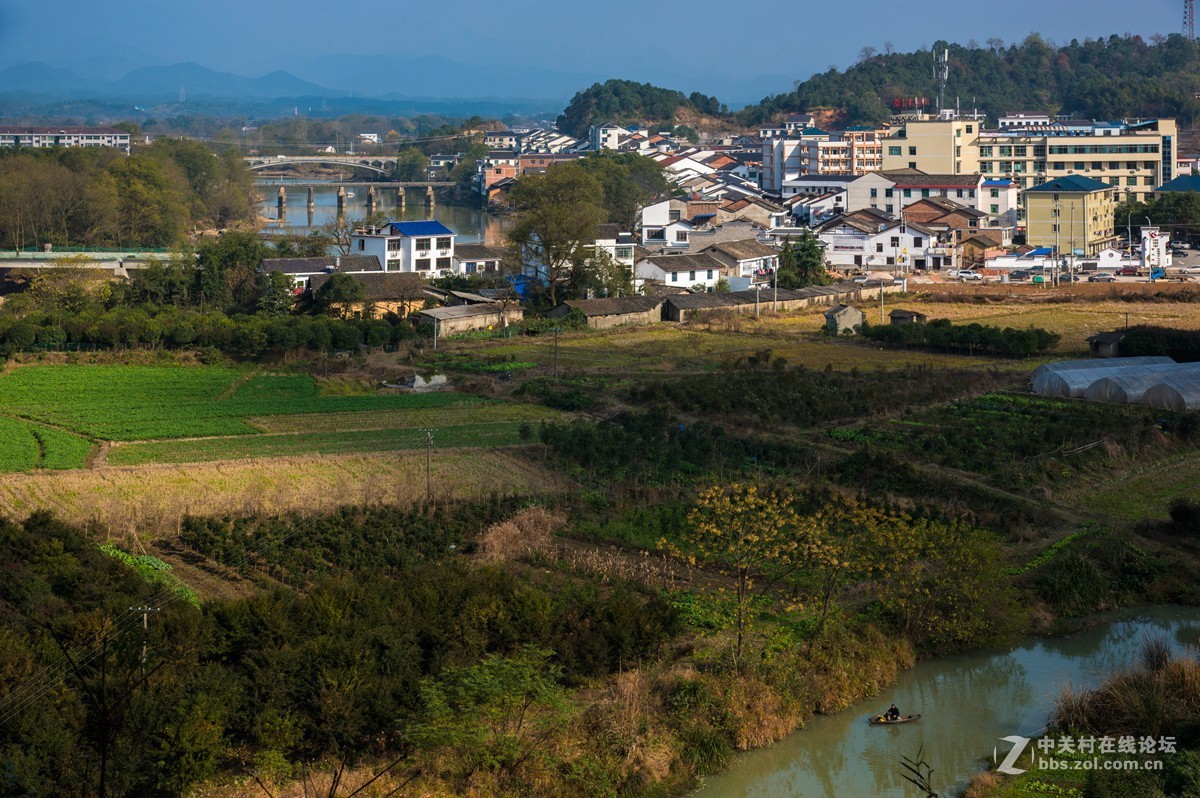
(153,499)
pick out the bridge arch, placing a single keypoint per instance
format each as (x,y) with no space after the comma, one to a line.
(382,167)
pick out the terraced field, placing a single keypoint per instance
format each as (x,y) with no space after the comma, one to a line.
(52,416)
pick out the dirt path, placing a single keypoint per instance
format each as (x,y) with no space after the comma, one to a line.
(98,457)
(210,580)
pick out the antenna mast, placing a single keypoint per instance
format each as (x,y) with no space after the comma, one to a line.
(1189,19)
(941,74)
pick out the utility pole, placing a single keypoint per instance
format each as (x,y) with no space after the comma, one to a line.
(145,611)
(429,431)
(1054,274)
(556,332)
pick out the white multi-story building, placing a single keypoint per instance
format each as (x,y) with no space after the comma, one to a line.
(800,153)
(424,247)
(870,239)
(23,136)
(892,192)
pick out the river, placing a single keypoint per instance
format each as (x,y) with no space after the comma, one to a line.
(968,702)
(472,224)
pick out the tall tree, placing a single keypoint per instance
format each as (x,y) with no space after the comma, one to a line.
(558,212)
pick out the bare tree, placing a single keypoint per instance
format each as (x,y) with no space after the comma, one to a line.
(996,43)
(887,48)
(866,53)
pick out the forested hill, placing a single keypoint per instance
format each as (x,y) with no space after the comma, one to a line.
(623,101)
(1121,76)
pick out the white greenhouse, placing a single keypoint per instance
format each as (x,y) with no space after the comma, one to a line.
(1175,391)
(1071,378)
(1132,383)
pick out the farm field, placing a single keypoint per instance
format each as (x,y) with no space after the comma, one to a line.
(25,446)
(176,414)
(196,450)
(153,499)
(1147,492)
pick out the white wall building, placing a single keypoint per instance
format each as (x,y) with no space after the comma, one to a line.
(682,271)
(425,247)
(25,136)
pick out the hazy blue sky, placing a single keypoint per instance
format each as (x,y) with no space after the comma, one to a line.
(620,37)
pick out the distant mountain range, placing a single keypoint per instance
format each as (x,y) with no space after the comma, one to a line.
(358,84)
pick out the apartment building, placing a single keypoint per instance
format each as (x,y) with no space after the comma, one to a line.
(893,191)
(934,146)
(854,151)
(25,136)
(1073,213)
(1132,157)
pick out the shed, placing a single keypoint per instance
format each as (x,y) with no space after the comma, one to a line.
(612,312)
(1105,344)
(383,292)
(465,318)
(907,317)
(843,318)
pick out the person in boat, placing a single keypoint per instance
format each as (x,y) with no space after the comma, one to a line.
(892,714)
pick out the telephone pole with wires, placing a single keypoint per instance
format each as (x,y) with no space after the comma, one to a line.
(429,433)
(145,611)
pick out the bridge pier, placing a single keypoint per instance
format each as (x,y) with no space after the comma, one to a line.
(371,201)
(429,199)
(281,204)
(341,203)
(400,201)
(312,206)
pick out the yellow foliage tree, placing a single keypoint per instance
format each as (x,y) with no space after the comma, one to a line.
(755,537)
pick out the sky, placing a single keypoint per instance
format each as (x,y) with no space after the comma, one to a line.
(693,42)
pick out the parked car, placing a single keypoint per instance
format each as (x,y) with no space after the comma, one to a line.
(1019,275)
(967,274)
(1102,277)
(1128,271)
(1190,270)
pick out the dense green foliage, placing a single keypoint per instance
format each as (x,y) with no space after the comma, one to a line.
(178,401)
(1121,76)
(100,197)
(388,616)
(1181,345)
(1024,441)
(969,338)
(624,101)
(801,263)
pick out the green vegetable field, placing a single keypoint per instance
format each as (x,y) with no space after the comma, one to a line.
(232,413)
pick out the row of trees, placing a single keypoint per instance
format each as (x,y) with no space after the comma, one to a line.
(969,338)
(99,197)
(1121,76)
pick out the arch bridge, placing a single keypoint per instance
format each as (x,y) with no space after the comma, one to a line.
(383,164)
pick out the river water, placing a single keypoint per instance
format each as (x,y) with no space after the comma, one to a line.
(968,703)
(472,224)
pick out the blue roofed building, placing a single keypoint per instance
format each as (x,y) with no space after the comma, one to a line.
(1181,184)
(1072,214)
(423,247)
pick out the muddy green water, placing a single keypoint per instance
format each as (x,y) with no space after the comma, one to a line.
(968,703)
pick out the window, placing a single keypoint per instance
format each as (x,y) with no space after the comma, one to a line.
(874,193)
(443,263)
(423,244)
(895,241)
(1006,152)
(879,247)
(673,216)
(985,152)
(423,264)
(912,150)
(361,245)
(985,166)
(691,277)
(1131,181)
(890,208)
(908,192)
(888,192)
(1079,166)
(960,193)
(995,208)
(674,277)
(710,274)
(443,243)
(912,164)
(1055,228)
(970,193)
(995,193)
(393,245)
(918,241)
(1019,152)
(624,252)
(924,192)
(893,150)
(970,128)
(681,235)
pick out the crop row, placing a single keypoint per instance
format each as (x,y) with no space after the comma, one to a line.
(140,402)
(322,443)
(25,446)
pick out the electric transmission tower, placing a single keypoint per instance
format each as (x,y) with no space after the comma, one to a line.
(1189,19)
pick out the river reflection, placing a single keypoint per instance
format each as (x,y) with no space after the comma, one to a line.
(968,703)
(471,223)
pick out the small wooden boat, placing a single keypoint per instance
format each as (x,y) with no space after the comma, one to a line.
(880,720)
